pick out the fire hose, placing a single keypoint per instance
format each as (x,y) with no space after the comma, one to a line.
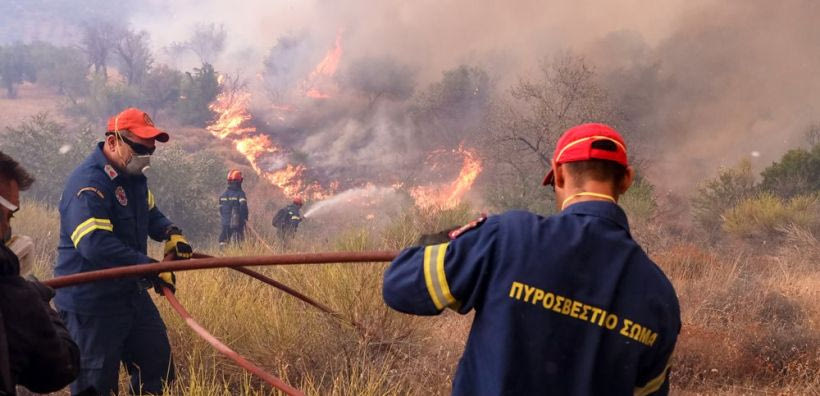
(201,261)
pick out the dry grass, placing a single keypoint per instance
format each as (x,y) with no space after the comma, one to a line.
(751,322)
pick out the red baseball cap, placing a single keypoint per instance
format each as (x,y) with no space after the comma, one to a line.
(138,122)
(578,144)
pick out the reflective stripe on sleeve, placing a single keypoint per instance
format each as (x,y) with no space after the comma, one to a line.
(88,226)
(151,202)
(654,384)
(435,278)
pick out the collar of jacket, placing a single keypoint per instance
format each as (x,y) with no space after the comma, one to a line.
(603,209)
(100,162)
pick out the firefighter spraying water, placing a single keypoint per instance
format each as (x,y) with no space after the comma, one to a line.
(287,220)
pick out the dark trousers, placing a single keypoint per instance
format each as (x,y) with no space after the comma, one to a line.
(232,234)
(137,338)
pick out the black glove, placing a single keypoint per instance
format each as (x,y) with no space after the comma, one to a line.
(435,239)
(167,279)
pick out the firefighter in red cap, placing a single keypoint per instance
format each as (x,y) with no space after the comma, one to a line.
(107,214)
(287,220)
(233,210)
(567,304)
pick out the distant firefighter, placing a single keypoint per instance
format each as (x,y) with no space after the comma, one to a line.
(233,209)
(287,220)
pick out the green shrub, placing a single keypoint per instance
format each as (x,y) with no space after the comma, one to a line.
(62,68)
(767,216)
(197,91)
(49,151)
(187,188)
(638,202)
(721,193)
(104,100)
(16,66)
(798,172)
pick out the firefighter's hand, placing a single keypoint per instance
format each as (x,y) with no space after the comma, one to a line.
(45,292)
(178,245)
(435,239)
(167,279)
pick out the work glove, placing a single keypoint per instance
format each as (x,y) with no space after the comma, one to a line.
(435,239)
(167,279)
(178,245)
(450,233)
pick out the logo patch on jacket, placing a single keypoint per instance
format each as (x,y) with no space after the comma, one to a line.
(467,227)
(109,170)
(121,197)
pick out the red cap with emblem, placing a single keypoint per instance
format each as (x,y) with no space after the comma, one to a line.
(579,143)
(137,122)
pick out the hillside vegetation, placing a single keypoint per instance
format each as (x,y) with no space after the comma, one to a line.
(750,317)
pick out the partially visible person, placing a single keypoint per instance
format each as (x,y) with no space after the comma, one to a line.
(233,210)
(287,220)
(36,350)
(107,214)
(566,305)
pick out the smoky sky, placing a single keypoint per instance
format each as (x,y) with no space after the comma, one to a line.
(700,83)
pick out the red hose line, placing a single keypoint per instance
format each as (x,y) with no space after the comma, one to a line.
(281,286)
(225,350)
(231,262)
(236,263)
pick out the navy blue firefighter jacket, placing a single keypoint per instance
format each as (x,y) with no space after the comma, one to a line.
(106,218)
(233,202)
(564,305)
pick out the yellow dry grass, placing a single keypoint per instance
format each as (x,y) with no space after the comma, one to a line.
(750,316)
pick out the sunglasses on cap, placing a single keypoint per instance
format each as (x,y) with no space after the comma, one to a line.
(138,148)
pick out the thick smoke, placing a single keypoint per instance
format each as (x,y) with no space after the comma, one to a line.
(698,83)
(732,80)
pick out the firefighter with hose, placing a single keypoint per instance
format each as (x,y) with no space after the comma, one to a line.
(233,210)
(568,304)
(107,214)
(287,220)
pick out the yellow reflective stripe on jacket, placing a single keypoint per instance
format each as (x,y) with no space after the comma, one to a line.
(151,202)
(654,384)
(435,278)
(90,225)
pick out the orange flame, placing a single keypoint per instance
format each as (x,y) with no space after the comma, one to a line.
(233,124)
(449,195)
(320,79)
